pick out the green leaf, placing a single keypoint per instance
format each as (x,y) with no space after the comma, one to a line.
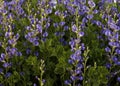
(32,60)
(50,81)
(1,78)
(16,76)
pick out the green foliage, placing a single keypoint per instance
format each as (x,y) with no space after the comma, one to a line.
(32,60)
(96,76)
(95,46)
(29,69)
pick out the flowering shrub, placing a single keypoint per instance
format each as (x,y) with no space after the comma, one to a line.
(59,43)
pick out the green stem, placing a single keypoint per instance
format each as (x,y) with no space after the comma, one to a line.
(84,73)
(41,83)
(74,83)
(86,59)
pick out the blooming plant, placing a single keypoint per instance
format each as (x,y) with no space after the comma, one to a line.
(59,43)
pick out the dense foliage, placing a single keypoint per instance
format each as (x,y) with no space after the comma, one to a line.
(59,43)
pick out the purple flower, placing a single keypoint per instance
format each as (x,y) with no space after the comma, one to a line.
(73,57)
(116,36)
(74,28)
(62,23)
(95,11)
(57,13)
(85,9)
(108,33)
(66,28)
(84,20)
(78,71)
(117,51)
(48,11)
(1,70)
(34,84)
(17,36)
(79,65)
(57,33)
(72,43)
(64,43)
(28,51)
(68,82)
(115,59)
(11,41)
(43,81)
(1,84)
(91,3)
(12,2)
(107,49)
(36,53)
(89,16)
(83,1)
(112,44)
(2,55)
(29,34)
(59,1)
(82,46)
(36,43)
(8,74)
(36,77)
(39,27)
(70,61)
(109,1)
(7,34)
(108,65)
(66,2)
(104,16)
(80,78)
(47,25)
(98,23)
(81,34)
(18,53)
(31,40)
(55,25)
(26,36)
(45,34)
(118,79)
(7,49)
(62,33)
(73,78)
(62,40)
(0,44)
(117,63)
(78,52)
(32,21)
(43,39)
(28,27)
(113,26)
(13,51)
(6,64)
